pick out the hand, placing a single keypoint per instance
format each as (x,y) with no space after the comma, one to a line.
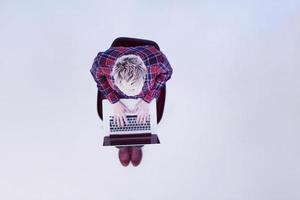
(119,110)
(142,110)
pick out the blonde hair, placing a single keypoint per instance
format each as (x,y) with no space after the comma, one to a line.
(128,72)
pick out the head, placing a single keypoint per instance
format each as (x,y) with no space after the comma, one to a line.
(129,72)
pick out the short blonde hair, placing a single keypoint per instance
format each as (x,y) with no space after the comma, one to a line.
(129,72)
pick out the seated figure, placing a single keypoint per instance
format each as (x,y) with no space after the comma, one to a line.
(138,72)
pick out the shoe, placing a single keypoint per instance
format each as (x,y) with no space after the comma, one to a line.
(124,156)
(136,155)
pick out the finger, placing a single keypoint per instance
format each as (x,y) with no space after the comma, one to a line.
(121,121)
(125,119)
(115,119)
(142,118)
(147,118)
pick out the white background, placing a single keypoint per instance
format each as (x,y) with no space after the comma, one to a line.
(231,125)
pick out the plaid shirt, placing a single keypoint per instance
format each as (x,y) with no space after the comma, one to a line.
(158,72)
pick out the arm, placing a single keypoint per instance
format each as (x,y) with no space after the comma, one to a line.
(165,73)
(102,83)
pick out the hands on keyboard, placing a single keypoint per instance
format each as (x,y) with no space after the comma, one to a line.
(132,124)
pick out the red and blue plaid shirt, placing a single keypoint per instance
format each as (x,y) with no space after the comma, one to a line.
(158,72)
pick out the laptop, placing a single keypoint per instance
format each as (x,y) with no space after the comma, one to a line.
(130,134)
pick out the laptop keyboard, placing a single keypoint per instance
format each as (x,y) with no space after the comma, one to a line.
(131,126)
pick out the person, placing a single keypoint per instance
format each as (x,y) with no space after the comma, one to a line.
(137,72)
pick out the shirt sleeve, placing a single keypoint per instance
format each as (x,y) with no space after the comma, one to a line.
(165,73)
(102,83)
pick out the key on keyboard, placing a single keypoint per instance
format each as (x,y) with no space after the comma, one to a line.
(131,126)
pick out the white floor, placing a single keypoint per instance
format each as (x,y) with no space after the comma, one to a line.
(236,82)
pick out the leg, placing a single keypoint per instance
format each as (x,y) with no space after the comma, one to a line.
(130,153)
(136,155)
(124,155)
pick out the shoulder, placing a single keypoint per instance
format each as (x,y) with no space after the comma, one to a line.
(150,55)
(107,58)
(111,53)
